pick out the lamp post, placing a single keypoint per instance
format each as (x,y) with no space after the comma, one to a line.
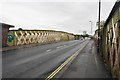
(91,26)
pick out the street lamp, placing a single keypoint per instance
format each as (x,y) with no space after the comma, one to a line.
(91,26)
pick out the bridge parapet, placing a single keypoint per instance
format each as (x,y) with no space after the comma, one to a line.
(24,37)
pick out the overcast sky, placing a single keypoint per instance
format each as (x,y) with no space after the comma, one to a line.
(62,15)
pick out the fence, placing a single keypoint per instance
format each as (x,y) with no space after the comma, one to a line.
(23,37)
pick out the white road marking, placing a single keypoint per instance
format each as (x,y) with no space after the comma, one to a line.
(59,46)
(48,50)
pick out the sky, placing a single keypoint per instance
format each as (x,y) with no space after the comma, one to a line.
(71,16)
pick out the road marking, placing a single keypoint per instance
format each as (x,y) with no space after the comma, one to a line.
(65,63)
(48,50)
(59,46)
(62,65)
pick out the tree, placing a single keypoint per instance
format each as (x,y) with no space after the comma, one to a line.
(20,29)
(102,23)
(86,35)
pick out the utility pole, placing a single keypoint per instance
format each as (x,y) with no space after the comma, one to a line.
(99,26)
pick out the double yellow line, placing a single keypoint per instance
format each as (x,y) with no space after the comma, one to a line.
(62,65)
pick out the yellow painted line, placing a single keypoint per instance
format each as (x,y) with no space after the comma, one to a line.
(61,66)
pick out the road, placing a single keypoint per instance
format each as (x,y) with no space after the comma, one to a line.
(38,61)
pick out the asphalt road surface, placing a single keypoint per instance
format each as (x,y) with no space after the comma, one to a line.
(38,61)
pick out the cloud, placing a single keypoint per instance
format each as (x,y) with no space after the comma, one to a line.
(72,17)
(56,0)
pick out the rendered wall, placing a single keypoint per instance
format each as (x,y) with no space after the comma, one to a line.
(25,37)
(110,44)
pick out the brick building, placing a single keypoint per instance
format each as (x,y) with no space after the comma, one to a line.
(4,29)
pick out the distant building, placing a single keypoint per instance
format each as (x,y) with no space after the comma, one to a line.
(84,32)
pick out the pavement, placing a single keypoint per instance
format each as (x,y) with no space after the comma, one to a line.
(38,61)
(88,64)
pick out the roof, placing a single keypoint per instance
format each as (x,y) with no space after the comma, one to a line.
(5,25)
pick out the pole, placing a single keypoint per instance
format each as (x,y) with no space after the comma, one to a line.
(91,26)
(99,26)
